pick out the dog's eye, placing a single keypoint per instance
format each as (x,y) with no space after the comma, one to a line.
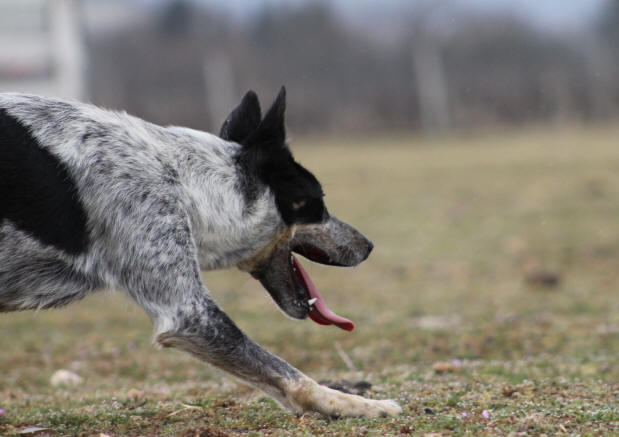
(309,210)
(298,205)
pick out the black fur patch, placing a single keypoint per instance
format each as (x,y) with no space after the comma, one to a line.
(298,194)
(243,120)
(266,157)
(36,192)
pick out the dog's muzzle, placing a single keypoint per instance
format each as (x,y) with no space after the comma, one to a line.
(330,242)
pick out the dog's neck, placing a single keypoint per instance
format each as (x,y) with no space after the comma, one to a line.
(216,203)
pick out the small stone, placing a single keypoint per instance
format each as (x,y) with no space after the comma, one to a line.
(65,377)
(135,395)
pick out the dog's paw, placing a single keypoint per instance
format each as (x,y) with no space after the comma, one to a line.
(308,395)
(368,408)
(384,408)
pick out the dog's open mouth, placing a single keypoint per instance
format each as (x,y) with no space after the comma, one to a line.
(319,311)
(331,242)
(314,254)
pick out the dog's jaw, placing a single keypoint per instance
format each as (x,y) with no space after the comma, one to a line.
(273,267)
(330,242)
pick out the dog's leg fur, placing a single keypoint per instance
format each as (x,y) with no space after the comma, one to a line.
(185,317)
(206,332)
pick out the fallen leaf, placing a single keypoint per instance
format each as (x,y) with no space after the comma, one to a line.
(135,395)
(539,277)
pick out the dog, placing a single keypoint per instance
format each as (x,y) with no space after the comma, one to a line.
(92,199)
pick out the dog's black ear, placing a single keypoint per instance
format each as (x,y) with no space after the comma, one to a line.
(272,131)
(243,120)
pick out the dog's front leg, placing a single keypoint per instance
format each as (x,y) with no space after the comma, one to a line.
(165,281)
(205,331)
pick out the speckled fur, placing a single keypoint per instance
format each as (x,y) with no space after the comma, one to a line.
(162,203)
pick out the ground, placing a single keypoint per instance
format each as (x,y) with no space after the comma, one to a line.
(488,307)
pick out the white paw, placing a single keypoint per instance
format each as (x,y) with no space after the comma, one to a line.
(384,408)
(307,395)
(357,406)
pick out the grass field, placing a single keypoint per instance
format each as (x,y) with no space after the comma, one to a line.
(489,306)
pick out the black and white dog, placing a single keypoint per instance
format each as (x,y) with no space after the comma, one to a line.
(93,199)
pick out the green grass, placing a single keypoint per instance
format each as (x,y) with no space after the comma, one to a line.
(458,224)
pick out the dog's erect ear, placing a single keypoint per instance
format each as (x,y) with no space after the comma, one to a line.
(243,120)
(272,130)
(298,195)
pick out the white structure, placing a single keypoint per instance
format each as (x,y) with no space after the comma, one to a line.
(41,48)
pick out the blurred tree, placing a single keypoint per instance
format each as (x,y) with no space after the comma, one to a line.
(184,64)
(608,26)
(337,79)
(175,18)
(602,56)
(429,68)
(502,70)
(155,67)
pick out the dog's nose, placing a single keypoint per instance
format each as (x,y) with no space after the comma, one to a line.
(370,246)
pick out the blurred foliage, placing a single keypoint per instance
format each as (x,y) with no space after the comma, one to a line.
(608,26)
(171,64)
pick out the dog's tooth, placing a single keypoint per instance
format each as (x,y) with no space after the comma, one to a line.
(312,301)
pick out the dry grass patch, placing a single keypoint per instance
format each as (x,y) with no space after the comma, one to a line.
(458,224)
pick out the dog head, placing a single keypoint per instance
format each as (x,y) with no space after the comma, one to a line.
(309,230)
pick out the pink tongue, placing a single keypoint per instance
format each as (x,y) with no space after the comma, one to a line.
(320,312)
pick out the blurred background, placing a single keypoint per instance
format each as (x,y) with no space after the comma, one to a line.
(357,66)
(476,142)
